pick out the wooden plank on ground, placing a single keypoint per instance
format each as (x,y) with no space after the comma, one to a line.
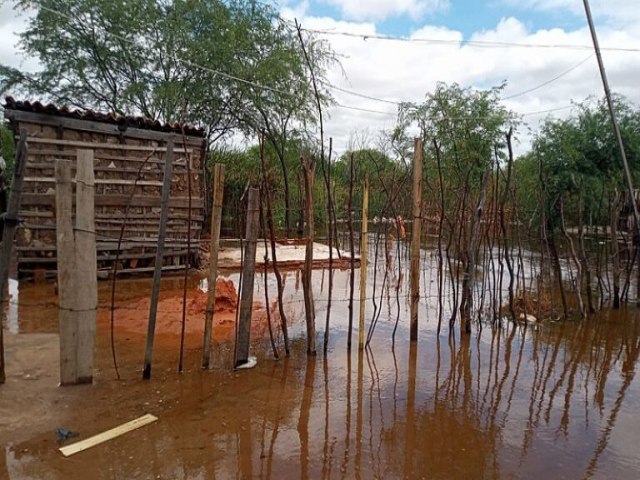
(74,448)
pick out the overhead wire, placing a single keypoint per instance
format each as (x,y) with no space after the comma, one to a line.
(335,87)
(544,84)
(471,43)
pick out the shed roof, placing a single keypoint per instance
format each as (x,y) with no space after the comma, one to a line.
(123,122)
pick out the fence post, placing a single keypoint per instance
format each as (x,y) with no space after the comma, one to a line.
(416,229)
(10,225)
(364,250)
(77,265)
(86,290)
(248,277)
(216,219)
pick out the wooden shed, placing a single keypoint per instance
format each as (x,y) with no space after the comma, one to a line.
(129,156)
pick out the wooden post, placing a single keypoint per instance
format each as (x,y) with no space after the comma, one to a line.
(77,269)
(216,220)
(10,224)
(68,322)
(364,250)
(157,273)
(308,167)
(86,288)
(415,238)
(248,277)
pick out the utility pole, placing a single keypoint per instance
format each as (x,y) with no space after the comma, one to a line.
(616,131)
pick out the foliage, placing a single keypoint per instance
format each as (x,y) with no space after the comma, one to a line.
(469,127)
(168,60)
(8,152)
(577,153)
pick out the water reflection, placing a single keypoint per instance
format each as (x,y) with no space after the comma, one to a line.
(559,402)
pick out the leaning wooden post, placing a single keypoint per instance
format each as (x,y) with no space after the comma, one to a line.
(157,273)
(248,277)
(364,250)
(308,167)
(415,238)
(216,220)
(10,224)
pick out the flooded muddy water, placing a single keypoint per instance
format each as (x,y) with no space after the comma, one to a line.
(558,400)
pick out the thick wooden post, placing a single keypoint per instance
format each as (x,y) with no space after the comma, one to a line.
(68,321)
(364,251)
(77,269)
(248,277)
(157,273)
(216,219)
(308,167)
(86,290)
(10,224)
(415,239)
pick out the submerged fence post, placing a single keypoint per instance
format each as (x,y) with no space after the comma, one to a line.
(77,265)
(216,220)
(10,224)
(157,272)
(415,238)
(248,277)
(364,247)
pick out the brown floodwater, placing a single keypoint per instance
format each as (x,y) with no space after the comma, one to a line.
(558,400)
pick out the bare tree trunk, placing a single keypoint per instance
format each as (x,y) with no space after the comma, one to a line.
(584,261)
(615,264)
(351,252)
(574,258)
(308,166)
(272,236)
(466,302)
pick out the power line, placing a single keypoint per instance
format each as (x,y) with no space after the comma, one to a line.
(470,43)
(338,105)
(544,84)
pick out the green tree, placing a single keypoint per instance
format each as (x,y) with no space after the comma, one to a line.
(580,151)
(203,62)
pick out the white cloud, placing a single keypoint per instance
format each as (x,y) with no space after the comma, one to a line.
(405,71)
(624,12)
(379,10)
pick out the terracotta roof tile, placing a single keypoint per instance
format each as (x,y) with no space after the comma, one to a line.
(129,121)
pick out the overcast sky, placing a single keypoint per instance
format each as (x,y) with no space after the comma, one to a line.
(441,47)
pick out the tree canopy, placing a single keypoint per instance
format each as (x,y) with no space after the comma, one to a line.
(220,64)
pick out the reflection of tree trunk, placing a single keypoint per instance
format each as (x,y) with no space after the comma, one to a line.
(359,388)
(326,461)
(410,417)
(347,440)
(245,450)
(628,374)
(305,413)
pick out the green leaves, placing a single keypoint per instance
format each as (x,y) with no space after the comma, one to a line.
(172,60)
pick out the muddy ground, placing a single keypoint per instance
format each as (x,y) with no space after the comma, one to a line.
(556,401)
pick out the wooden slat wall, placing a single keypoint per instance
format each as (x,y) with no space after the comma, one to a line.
(118,160)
